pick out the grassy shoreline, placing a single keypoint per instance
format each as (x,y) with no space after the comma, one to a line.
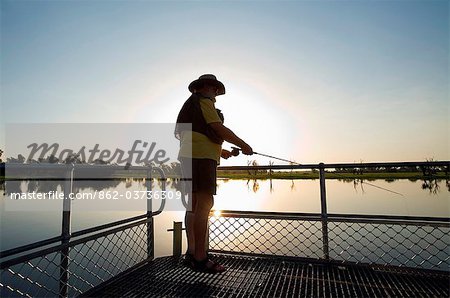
(308,175)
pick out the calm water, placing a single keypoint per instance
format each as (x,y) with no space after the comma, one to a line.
(19,227)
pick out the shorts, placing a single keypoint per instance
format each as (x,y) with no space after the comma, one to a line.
(203,176)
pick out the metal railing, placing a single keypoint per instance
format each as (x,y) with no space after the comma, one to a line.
(420,242)
(72,263)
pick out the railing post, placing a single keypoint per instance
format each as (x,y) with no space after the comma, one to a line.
(324,214)
(177,236)
(65,233)
(150,233)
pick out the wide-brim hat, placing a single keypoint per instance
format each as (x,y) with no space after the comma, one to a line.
(207,79)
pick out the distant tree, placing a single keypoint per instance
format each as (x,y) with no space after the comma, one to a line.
(166,168)
(252,163)
(53,159)
(99,161)
(2,171)
(73,158)
(429,170)
(409,169)
(20,159)
(49,159)
(149,164)
(175,168)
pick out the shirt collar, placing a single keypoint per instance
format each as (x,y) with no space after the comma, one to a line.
(210,98)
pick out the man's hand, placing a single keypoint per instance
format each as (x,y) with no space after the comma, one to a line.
(246,149)
(226,154)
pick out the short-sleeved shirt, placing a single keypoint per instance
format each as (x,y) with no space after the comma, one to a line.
(201,145)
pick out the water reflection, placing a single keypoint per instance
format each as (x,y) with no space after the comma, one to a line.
(253,185)
(348,196)
(44,186)
(293,185)
(430,184)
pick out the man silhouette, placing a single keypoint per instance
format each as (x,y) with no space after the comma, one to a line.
(200,151)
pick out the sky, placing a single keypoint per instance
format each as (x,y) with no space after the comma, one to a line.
(310,81)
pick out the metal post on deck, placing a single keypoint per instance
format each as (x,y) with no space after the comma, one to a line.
(324,214)
(65,233)
(177,237)
(150,234)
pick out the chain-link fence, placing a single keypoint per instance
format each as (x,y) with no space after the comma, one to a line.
(409,244)
(282,237)
(71,268)
(398,241)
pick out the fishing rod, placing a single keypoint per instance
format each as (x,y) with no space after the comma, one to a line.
(235,152)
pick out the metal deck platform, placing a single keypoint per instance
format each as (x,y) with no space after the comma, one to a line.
(248,276)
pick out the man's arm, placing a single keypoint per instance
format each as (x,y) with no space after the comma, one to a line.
(229,136)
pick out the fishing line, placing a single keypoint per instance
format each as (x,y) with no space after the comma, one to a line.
(236,150)
(394,192)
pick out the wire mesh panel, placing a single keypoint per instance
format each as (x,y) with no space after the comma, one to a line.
(283,237)
(98,260)
(416,244)
(38,277)
(90,263)
(412,245)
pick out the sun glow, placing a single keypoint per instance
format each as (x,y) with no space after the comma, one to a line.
(263,121)
(217,213)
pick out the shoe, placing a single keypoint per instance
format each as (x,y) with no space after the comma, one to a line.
(188,260)
(207,266)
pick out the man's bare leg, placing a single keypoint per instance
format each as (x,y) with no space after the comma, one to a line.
(204,203)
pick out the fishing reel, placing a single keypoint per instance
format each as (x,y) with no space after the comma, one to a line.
(235,151)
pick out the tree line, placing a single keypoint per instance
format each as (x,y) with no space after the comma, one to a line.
(173,168)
